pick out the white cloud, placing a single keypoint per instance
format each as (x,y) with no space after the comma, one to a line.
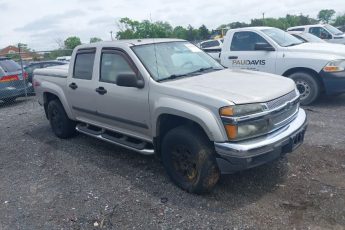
(41,22)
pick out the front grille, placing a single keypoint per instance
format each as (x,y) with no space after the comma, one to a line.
(284,116)
(281,100)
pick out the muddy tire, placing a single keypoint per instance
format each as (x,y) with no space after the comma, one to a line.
(189,159)
(61,125)
(308,87)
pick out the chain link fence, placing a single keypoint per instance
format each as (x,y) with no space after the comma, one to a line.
(16,72)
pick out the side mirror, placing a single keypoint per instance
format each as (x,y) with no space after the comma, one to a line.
(264,47)
(129,80)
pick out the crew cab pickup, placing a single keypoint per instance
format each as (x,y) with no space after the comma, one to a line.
(167,97)
(316,68)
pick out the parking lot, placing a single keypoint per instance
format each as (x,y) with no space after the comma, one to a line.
(83,183)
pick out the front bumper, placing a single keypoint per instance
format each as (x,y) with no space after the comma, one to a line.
(334,82)
(234,157)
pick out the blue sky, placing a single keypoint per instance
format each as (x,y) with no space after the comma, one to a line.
(43,23)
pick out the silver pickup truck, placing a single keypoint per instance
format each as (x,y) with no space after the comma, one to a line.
(169,98)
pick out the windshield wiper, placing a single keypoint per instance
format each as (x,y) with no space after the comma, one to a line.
(174,76)
(293,44)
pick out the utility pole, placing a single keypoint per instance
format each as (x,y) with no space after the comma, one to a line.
(263,18)
(21,65)
(111,35)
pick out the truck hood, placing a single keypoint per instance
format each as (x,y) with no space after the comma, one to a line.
(321,48)
(237,86)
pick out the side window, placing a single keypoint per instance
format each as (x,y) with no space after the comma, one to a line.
(113,64)
(245,41)
(320,32)
(83,65)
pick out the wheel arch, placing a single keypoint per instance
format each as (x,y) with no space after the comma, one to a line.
(310,71)
(49,96)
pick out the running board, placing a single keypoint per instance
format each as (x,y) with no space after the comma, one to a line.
(116,138)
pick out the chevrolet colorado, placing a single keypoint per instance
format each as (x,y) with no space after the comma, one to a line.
(169,98)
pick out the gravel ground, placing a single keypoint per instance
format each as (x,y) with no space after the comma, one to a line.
(83,183)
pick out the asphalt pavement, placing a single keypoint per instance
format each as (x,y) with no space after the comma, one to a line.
(83,183)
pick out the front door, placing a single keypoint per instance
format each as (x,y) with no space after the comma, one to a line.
(124,109)
(242,53)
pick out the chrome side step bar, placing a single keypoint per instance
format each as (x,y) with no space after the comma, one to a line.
(115,138)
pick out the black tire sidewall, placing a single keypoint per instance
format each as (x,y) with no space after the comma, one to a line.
(199,147)
(313,84)
(67,128)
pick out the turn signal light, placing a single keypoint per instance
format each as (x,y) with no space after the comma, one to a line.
(227,111)
(231,131)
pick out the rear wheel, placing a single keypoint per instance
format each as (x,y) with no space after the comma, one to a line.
(308,87)
(189,159)
(61,125)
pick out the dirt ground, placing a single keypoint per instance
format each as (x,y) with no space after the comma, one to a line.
(83,183)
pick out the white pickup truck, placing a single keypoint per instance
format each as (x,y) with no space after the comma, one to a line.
(315,68)
(169,98)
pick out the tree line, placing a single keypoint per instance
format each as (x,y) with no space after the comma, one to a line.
(132,29)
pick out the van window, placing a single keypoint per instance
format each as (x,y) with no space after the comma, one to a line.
(113,64)
(83,65)
(245,41)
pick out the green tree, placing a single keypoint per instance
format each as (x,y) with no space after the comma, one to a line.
(72,42)
(95,39)
(131,29)
(340,20)
(180,32)
(204,33)
(326,15)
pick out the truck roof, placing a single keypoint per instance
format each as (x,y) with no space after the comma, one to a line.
(131,42)
(253,28)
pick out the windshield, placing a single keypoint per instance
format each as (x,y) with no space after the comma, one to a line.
(174,59)
(281,37)
(333,30)
(312,38)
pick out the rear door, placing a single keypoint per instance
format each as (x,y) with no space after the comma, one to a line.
(240,53)
(123,109)
(81,86)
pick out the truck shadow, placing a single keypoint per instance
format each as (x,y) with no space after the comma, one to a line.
(147,174)
(12,103)
(329,101)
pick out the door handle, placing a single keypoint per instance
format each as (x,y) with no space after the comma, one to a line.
(233,57)
(101,90)
(73,85)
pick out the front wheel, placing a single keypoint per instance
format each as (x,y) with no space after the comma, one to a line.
(189,159)
(61,125)
(308,87)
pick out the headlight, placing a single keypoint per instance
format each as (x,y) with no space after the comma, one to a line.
(249,129)
(237,132)
(241,110)
(335,66)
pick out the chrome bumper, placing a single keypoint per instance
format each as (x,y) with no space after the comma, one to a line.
(251,153)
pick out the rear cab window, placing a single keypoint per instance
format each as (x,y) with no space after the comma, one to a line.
(83,65)
(297,29)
